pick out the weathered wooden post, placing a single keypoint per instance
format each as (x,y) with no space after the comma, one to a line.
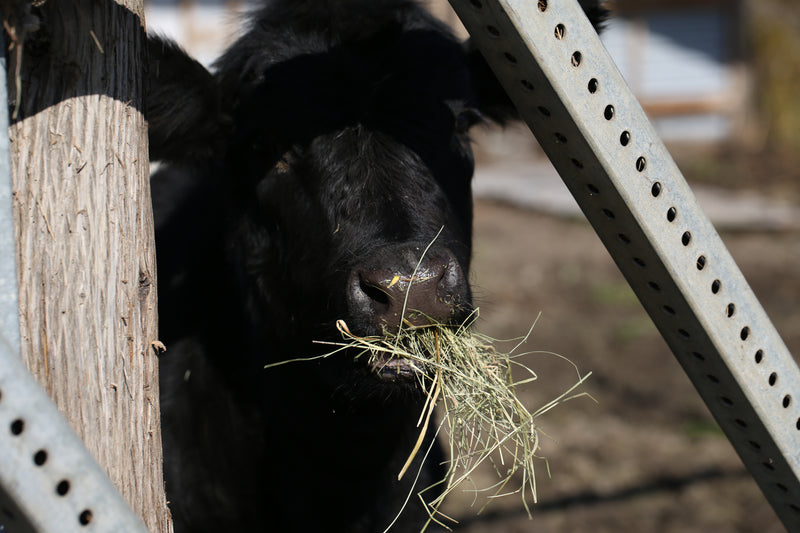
(84,232)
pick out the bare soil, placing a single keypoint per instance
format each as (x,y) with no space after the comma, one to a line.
(647,456)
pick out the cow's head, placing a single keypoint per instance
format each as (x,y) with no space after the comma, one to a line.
(343,145)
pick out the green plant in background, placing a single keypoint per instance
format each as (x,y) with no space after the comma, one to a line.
(614,293)
(775,42)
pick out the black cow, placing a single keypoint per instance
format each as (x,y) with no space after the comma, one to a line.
(326,152)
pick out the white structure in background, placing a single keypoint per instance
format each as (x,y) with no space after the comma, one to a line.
(683,62)
(203,27)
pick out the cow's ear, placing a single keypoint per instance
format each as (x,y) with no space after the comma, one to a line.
(596,12)
(183,106)
(490,97)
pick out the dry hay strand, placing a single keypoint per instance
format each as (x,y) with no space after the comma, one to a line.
(482,415)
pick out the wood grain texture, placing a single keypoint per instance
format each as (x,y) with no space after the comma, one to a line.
(84,230)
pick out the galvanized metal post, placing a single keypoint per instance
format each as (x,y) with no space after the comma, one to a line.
(566,87)
(49,483)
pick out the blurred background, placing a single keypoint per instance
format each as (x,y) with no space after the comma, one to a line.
(719,80)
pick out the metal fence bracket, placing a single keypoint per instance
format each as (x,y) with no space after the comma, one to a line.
(575,101)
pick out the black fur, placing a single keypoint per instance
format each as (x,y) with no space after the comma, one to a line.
(331,140)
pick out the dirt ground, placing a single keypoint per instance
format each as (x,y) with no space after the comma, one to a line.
(647,456)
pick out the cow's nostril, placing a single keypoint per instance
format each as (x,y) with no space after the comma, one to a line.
(374,293)
(410,291)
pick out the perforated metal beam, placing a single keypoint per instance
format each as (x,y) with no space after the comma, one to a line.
(49,483)
(575,101)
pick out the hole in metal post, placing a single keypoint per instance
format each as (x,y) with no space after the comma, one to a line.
(560,31)
(744,333)
(609,214)
(528,86)
(625,138)
(85,517)
(40,457)
(576,162)
(476,3)
(773,379)
(701,262)
(510,58)
(731,310)
(655,190)
(560,138)
(576,59)
(624,239)
(787,401)
(653,285)
(593,189)
(727,401)
(608,113)
(759,356)
(594,85)
(63,487)
(639,262)
(542,5)
(716,285)
(494,32)
(17,426)
(641,164)
(686,238)
(671,214)
(543,110)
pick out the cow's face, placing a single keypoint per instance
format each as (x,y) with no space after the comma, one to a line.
(361,185)
(355,159)
(348,166)
(356,214)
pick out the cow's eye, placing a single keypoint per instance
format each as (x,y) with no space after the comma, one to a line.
(466,118)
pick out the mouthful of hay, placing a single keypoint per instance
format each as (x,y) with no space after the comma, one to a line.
(386,365)
(475,387)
